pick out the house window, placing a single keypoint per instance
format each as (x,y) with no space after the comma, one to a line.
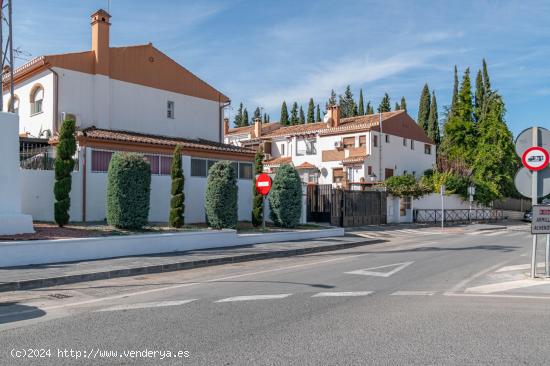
(165,165)
(349,142)
(170,109)
(198,168)
(283,149)
(245,171)
(337,175)
(369,170)
(306,147)
(404,142)
(427,149)
(362,141)
(235,166)
(313,178)
(412,144)
(375,141)
(37,96)
(101,160)
(387,139)
(154,161)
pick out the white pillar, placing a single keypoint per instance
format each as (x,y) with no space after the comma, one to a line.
(12,221)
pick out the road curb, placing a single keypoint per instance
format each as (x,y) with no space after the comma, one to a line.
(171,267)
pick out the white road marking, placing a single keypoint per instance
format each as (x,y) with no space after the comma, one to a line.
(505,286)
(498,296)
(371,272)
(413,293)
(518,267)
(342,294)
(494,233)
(254,297)
(168,288)
(145,305)
(475,233)
(463,283)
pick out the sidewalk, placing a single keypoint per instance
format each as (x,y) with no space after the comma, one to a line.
(38,276)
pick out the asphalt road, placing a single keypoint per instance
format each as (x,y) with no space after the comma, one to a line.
(420,297)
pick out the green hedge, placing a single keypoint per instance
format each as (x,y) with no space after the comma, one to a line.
(285,198)
(257,199)
(220,201)
(177,203)
(64,165)
(128,191)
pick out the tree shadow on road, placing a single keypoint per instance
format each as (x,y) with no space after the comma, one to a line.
(14,312)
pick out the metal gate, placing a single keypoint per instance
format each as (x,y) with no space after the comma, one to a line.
(358,208)
(319,198)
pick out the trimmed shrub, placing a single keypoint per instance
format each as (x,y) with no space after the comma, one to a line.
(64,165)
(257,199)
(128,191)
(406,186)
(285,198)
(220,199)
(177,203)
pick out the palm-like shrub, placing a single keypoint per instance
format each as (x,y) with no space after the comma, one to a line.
(177,203)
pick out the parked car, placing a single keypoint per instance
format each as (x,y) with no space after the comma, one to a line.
(528,215)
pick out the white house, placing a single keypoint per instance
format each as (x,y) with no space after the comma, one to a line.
(131,98)
(364,149)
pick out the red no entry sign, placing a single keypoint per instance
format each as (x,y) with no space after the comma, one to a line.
(263,184)
(535,158)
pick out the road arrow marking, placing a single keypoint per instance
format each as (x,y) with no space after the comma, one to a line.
(146,305)
(371,272)
(254,297)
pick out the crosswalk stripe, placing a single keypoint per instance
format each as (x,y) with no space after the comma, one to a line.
(494,233)
(254,297)
(413,293)
(146,305)
(342,294)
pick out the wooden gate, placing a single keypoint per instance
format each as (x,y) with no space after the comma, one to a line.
(358,208)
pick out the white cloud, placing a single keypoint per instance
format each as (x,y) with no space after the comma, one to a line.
(337,75)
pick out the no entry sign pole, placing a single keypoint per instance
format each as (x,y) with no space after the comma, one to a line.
(263,186)
(534,201)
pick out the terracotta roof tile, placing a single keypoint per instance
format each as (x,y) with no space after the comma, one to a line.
(266,128)
(306,165)
(140,138)
(278,161)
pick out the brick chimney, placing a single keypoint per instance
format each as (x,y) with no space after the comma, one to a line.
(257,128)
(333,116)
(225,126)
(100,41)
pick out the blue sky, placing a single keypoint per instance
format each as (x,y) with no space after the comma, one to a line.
(261,52)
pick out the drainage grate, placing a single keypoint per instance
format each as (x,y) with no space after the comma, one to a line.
(60,296)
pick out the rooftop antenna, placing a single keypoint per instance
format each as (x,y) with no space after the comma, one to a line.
(6,51)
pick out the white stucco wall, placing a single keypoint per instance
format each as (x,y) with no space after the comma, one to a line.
(33,124)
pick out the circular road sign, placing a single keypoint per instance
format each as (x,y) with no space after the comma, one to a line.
(535,158)
(523,182)
(525,140)
(263,184)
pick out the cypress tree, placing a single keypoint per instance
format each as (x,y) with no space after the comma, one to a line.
(397,106)
(361,109)
(318,118)
(265,118)
(424,108)
(302,119)
(486,81)
(64,165)
(370,109)
(403,104)
(284,115)
(239,116)
(465,106)
(385,104)
(244,121)
(347,104)
(257,114)
(433,121)
(257,199)
(332,100)
(311,111)
(454,99)
(479,95)
(177,203)
(294,120)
